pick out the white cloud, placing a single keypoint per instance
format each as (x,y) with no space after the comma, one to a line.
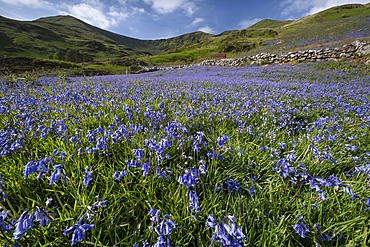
(195,22)
(118,16)
(206,29)
(155,17)
(165,6)
(247,23)
(303,7)
(136,10)
(92,15)
(34,4)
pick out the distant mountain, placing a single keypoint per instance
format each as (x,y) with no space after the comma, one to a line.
(46,36)
(68,38)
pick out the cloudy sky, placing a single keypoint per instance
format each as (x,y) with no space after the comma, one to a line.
(155,19)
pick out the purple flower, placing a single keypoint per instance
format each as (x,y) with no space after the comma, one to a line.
(193,201)
(348,190)
(139,153)
(24,223)
(202,169)
(87,177)
(290,157)
(232,185)
(189,178)
(221,140)
(79,231)
(56,174)
(226,235)
(161,105)
(120,175)
(146,168)
(252,190)
(300,228)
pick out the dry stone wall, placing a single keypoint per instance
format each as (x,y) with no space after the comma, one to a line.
(350,51)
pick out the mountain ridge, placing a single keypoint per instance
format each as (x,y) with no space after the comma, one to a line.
(71,39)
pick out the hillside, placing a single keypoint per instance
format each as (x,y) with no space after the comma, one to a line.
(329,28)
(67,38)
(51,37)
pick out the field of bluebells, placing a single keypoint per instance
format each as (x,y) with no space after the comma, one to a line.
(203,156)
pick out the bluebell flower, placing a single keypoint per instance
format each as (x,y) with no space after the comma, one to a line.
(232,185)
(166,225)
(323,236)
(87,177)
(4,226)
(139,153)
(189,178)
(211,222)
(300,228)
(56,174)
(116,118)
(290,157)
(79,231)
(226,235)
(120,175)
(282,145)
(3,183)
(154,215)
(25,222)
(193,201)
(99,130)
(348,190)
(367,203)
(221,140)
(202,169)
(146,168)
(36,166)
(161,105)
(252,190)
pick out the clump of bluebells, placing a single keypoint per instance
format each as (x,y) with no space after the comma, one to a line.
(163,228)
(225,234)
(198,143)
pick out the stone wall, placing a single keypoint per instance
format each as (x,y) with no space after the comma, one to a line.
(350,51)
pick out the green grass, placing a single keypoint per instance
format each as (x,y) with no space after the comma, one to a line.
(271,24)
(341,12)
(44,37)
(239,102)
(182,57)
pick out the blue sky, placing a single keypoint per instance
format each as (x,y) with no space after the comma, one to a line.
(155,19)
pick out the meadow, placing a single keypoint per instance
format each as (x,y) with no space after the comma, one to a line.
(202,156)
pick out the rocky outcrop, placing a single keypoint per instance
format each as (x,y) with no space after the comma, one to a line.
(350,51)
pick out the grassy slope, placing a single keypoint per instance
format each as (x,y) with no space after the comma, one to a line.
(329,27)
(267,23)
(334,26)
(45,36)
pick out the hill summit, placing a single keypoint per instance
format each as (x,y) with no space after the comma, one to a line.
(70,39)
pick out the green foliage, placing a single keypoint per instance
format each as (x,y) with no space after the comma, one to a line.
(182,57)
(236,47)
(267,23)
(339,12)
(281,111)
(52,37)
